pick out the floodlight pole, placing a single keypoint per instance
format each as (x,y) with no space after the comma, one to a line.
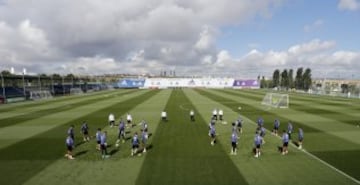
(63,85)
(39,83)
(52,84)
(23,78)
(3,87)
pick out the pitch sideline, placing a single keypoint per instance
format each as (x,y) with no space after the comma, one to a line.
(316,158)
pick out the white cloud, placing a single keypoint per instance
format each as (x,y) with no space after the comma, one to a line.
(315,26)
(171,33)
(351,5)
(146,36)
(206,40)
(207,60)
(316,54)
(315,45)
(24,43)
(223,58)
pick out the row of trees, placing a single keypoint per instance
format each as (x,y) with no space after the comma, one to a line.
(285,79)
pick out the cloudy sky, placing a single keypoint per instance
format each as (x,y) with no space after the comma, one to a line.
(240,38)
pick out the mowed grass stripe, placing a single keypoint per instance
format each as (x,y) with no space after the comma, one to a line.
(332,100)
(314,142)
(57,108)
(13,134)
(19,110)
(340,130)
(23,160)
(182,153)
(345,115)
(335,101)
(120,167)
(32,104)
(323,124)
(252,112)
(271,163)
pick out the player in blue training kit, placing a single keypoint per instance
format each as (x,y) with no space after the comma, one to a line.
(285,140)
(260,122)
(71,132)
(144,125)
(276,127)
(212,135)
(234,141)
(239,123)
(121,135)
(289,129)
(98,138)
(69,146)
(257,142)
(103,145)
(135,144)
(233,128)
(144,138)
(300,137)
(212,123)
(262,134)
(85,131)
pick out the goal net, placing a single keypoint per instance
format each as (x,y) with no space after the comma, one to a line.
(276,100)
(76,91)
(38,95)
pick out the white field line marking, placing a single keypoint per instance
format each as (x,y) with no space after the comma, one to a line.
(313,156)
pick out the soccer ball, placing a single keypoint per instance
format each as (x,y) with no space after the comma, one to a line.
(117,144)
(239,108)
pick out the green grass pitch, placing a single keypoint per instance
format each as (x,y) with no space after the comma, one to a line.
(32,140)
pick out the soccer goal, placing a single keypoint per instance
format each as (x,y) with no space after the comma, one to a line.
(276,100)
(76,91)
(38,95)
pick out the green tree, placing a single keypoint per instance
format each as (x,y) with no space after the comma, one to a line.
(6,73)
(307,81)
(299,78)
(276,78)
(57,79)
(263,82)
(291,78)
(284,79)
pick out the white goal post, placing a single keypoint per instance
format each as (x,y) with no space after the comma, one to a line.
(276,100)
(38,95)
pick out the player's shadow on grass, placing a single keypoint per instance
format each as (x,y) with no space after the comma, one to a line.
(253,151)
(80,153)
(280,149)
(149,147)
(113,151)
(127,132)
(295,143)
(80,143)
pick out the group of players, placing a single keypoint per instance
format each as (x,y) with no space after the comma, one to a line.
(259,133)
(101,137)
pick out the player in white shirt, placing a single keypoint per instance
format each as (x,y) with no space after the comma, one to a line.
(111,119)
(192,115)
(221,114)
(215,114)
(164,116)
(129,119)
